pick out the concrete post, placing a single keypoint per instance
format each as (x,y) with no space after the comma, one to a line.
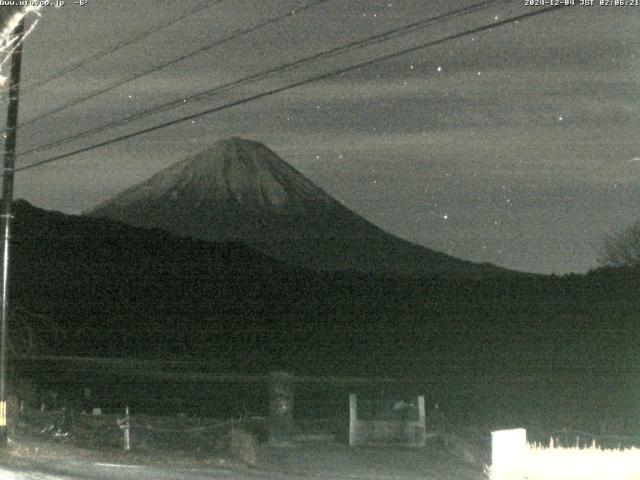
(422,422)
(422,415)
(353,419)
(125,425)
(127,429)
(280,408)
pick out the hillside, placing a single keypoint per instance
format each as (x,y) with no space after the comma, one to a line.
(118,291)
(121,290)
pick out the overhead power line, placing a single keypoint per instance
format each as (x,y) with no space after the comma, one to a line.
(296,84)
(369,41)
(118,46)
(173,61)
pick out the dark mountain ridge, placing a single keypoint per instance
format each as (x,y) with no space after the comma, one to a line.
(119,290)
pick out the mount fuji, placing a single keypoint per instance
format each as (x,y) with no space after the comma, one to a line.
(241,190)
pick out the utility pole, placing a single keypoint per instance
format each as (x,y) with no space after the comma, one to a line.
(7,200)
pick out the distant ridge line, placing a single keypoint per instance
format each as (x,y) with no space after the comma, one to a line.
(155,368)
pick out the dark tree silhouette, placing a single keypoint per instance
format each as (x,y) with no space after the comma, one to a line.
(622,248)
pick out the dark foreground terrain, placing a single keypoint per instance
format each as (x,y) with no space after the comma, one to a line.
(91,452)
(507,350)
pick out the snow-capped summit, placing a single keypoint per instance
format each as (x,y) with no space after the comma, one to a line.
(232,172)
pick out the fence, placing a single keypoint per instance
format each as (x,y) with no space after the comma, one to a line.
(192,388)
(320,404)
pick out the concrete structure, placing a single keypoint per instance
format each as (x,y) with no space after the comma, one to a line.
(401,430)
(280,408)
(508,451)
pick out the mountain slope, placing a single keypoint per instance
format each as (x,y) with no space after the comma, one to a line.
(120,291)
(241,190)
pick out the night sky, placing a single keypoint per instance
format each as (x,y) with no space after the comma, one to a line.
(516,146)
